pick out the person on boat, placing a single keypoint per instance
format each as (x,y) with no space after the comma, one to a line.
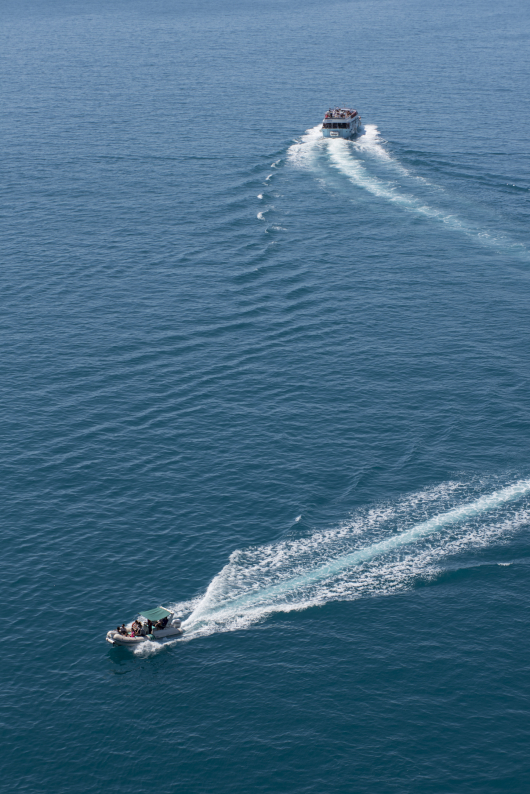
(122,630)
(149,626)
(161,624)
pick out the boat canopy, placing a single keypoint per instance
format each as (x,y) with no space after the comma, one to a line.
(155,614)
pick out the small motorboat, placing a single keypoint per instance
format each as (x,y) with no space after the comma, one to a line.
(164,624)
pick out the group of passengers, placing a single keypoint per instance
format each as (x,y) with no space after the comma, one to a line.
(140,630)
(338,113)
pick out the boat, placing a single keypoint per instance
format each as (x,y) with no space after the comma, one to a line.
(163,622)
(341,123)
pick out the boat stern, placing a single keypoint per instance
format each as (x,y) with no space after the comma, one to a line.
(327,133)
(341,123)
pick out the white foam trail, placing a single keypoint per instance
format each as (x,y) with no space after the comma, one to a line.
(369,142)
(371,555)
(305,154)
(302,152)
(342,160)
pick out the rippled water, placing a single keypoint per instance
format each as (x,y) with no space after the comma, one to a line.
(275,381)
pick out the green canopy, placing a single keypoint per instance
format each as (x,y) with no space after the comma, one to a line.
(155,614)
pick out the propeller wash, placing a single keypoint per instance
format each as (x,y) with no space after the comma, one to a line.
(378,552)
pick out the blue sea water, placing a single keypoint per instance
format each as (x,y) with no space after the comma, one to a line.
(278,382)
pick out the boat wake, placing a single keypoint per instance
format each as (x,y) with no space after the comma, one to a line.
(357,159)
(377,552)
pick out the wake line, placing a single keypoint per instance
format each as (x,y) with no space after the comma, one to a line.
(305,154)
(207,610)
(308,154)
(359,175)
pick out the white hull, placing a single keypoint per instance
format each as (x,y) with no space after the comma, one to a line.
(161,634)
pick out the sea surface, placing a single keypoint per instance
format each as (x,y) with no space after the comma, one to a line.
(275,382)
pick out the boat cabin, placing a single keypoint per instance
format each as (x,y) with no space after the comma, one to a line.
(340,123)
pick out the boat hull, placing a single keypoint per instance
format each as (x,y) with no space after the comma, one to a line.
(114,638)
(339,133)
(341,127)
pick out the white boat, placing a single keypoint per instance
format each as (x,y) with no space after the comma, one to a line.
(163,623)
(341,123)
